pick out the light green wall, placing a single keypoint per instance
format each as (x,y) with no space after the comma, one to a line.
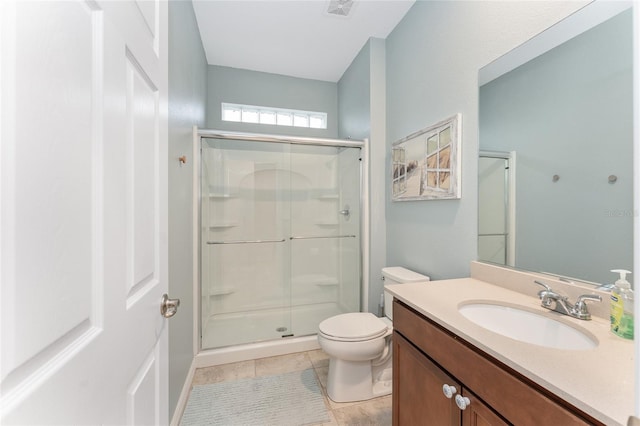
(354,97)
(433,58)
(187,104)
(361,106)
(570,112)
(247,87)
(377,173)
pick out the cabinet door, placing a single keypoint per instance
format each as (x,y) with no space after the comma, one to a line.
(417,389)
(479,414)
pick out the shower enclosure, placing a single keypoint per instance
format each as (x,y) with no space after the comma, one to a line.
(279,235)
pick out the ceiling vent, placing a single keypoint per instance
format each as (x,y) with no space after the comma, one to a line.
(340,7)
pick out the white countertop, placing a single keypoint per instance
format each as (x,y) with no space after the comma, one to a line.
(598,381)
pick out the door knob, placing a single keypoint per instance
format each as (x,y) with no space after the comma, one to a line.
(462,402)
(449,390)
(169,307)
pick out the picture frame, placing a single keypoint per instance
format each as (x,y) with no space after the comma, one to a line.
(425,165)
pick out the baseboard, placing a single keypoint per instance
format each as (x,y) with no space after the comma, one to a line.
(184,395)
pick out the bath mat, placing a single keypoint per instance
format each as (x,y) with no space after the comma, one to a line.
(286,399)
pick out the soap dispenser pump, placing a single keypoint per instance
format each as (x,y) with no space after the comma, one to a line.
(622,306)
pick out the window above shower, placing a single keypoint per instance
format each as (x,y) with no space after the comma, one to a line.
(273,116)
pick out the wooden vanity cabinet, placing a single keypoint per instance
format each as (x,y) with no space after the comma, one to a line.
(426,356)
(479,414)
(419,390)
(418,398)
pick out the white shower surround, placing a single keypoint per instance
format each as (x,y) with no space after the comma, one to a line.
(267,348)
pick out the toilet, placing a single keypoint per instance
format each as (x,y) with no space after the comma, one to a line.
(359,346)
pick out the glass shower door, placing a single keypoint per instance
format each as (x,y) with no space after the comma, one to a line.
(280,245)
(325,234)
(245,255)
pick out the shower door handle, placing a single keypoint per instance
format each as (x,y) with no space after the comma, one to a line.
(169,307)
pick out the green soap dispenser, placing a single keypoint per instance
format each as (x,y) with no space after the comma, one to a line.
(622,306)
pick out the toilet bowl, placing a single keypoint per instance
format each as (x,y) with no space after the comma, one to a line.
(359,347)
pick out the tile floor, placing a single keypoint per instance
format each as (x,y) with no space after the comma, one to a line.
(376,411)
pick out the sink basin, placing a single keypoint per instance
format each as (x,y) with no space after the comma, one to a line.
(527,326)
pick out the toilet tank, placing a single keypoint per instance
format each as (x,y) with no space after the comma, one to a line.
(397,275)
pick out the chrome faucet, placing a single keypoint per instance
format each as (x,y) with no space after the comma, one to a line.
(558,303)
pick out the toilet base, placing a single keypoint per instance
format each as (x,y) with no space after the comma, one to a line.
(351,381)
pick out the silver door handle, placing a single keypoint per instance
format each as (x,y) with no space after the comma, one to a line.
(169,307)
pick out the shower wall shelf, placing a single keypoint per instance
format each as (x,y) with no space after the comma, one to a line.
(333,284)
(328,197)
(222,196)
(224,225)
(223,291)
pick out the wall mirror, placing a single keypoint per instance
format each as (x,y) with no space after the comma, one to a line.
(556,149)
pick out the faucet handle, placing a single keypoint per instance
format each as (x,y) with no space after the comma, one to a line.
(581,299)
(544,294)
(546,287)
(580,308)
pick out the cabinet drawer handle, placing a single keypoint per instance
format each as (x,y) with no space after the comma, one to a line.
(462,402)
(448,390)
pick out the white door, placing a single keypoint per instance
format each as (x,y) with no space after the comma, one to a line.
(83,215)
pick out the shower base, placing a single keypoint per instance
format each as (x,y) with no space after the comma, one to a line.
(264,325)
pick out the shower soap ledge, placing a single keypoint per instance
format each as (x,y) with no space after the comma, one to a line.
(224,225)
(222,195)
(223,291)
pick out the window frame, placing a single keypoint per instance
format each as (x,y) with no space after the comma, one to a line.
(317,118)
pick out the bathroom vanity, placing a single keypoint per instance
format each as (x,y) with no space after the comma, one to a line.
(428,357)
(450,370)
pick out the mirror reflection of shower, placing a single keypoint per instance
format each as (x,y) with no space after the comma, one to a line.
(280,238)
(496,207)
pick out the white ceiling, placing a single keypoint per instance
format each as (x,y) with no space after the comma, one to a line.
(295,37)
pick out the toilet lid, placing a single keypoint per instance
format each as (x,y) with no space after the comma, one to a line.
(353,326)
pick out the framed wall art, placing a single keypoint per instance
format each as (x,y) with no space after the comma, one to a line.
(426,164)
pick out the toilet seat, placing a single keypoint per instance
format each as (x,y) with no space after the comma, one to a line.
(354,326)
